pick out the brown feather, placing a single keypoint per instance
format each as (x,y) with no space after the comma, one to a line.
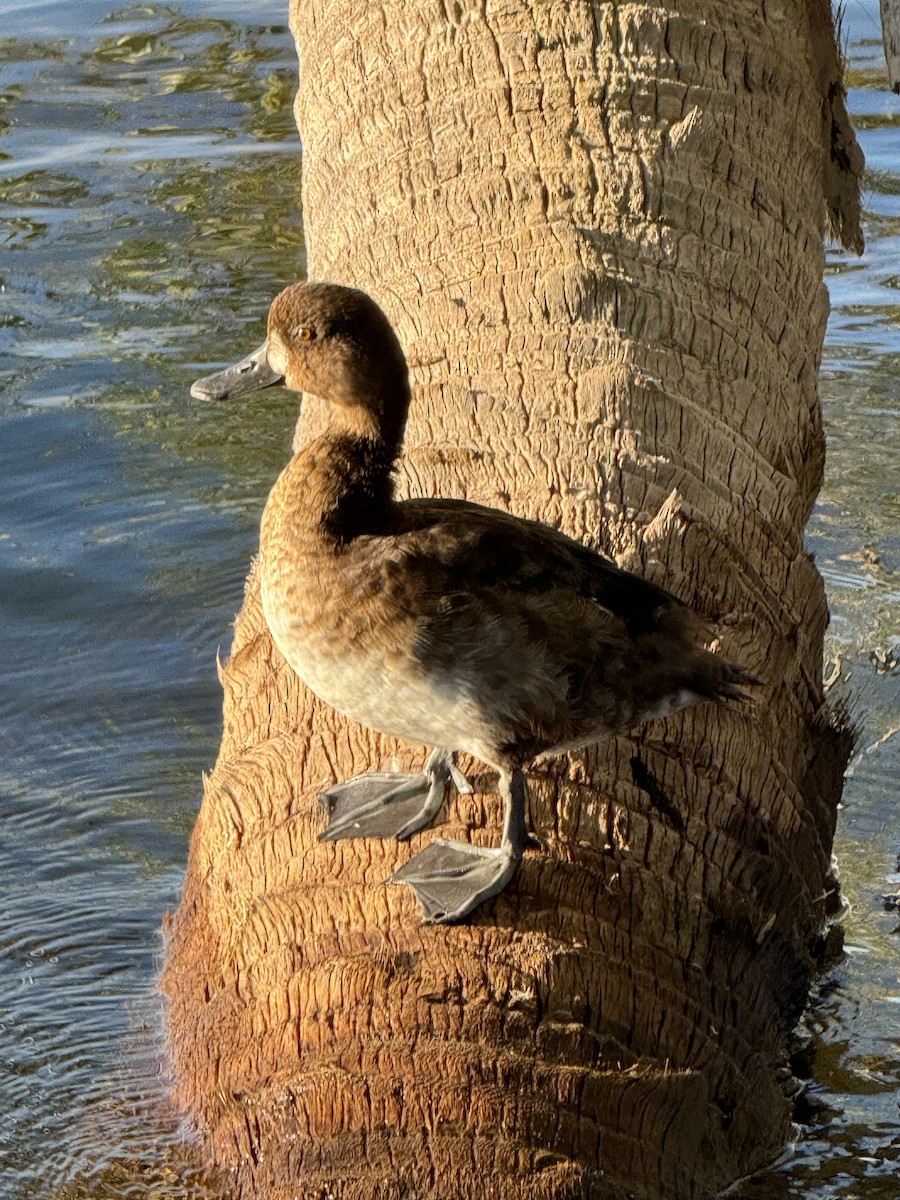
(440,620)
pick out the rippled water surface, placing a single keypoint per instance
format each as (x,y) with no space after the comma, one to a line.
(149,178)
(149,208)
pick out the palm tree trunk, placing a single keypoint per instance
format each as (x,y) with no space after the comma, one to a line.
(599,231)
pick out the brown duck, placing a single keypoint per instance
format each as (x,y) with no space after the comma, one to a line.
(441,621)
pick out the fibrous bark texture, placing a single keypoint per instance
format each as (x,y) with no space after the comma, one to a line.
(599,231)
(890,27)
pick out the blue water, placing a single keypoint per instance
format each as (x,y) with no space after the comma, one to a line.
(149,174)
(149,208)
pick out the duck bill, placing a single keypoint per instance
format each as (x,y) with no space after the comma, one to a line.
(249,375)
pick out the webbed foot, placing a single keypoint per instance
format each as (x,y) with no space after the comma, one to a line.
(451,879)
(382,805)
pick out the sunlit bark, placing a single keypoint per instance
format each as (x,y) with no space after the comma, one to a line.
(599,231)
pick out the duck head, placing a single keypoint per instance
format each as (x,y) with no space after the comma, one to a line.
(328,341)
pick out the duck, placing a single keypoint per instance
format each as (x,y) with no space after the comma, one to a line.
(440,621)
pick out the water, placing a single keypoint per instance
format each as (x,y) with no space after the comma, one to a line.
(849,1147)
(149,175)
(149,208)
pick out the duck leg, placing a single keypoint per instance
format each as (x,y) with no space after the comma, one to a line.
(383,805)
(451,879)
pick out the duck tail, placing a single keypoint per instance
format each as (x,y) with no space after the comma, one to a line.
(709,675)
(722,681)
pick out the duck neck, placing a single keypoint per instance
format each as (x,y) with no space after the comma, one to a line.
(360,498)
(378,421)
(363,442)
(337,488)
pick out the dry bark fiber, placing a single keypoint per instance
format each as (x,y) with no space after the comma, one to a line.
(599,231)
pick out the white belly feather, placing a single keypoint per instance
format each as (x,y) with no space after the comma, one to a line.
(395,696)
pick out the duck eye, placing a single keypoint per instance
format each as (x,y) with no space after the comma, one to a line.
(304,333)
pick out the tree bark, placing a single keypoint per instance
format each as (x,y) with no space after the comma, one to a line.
(890,29)
(599,231)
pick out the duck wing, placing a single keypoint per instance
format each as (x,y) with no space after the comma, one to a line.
(552,643)
(486,550)
(614,643)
